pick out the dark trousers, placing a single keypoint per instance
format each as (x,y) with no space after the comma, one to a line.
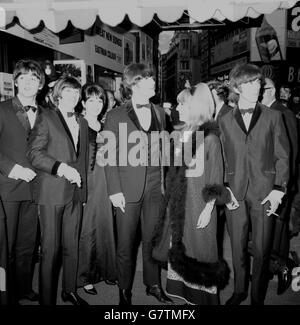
(60,227)
(21,225)
(238,223)
(281,239)
(3,258)
(146,211)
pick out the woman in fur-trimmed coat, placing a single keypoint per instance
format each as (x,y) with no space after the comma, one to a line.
(185,237)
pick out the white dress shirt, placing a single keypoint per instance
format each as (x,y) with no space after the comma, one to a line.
(31,117)
(143,115)
(247,120)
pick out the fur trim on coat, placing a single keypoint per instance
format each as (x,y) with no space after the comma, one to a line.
(171,225)
(218,192)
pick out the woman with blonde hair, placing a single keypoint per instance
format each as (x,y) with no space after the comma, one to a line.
(185,237)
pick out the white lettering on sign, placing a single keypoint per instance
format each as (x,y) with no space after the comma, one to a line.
(295,22)
(293,73)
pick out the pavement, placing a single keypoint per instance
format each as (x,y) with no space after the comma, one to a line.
(109,294)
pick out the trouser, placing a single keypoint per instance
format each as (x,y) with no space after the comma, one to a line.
(281,239)
(21,225)
(3,258)
(238,223)
(60,228)
(145,211)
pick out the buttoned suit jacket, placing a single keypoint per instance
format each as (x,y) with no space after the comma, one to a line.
(257,158)
(50,144)
(128,179)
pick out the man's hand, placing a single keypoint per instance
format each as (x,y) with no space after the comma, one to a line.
(274,198)
(23,173)
(234,203)
(70,173)
(205,215)
(118,201)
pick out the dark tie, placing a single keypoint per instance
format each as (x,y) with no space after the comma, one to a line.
(70,114)
(247,110)
(138,106)
(28,107)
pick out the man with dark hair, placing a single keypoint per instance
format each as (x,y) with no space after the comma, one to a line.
(280,263)
(58,149)
(135,191)
(256,154)
(17,118)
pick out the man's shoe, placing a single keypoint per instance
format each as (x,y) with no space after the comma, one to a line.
(74,298)
(284,279)
(111,282)
(32,296)
(91,291)
(236,298)
(157,292)
(125,297)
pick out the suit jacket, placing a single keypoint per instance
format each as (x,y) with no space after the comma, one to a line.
(51,143)
(130,180)
(290,123)
(258,158)
(14,132)
(224,110)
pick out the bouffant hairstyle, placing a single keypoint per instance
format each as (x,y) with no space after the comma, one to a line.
(89,90)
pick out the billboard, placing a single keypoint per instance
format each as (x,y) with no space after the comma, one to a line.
(293,26)
(268,42)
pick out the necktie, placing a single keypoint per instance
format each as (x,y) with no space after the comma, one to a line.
(138,106)
(28,107)
(247,110)
(70,114)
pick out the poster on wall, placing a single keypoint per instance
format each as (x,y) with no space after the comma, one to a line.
(269,40)
(128,51)
(7,90)
(74,68)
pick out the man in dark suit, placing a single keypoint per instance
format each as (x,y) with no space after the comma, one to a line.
(256,154)
(58,149)
(17,117)
(135,186)
(280,263)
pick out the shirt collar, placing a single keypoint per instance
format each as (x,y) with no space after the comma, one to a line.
(17,103)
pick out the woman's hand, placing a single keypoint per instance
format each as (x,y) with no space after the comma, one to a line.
(205,215)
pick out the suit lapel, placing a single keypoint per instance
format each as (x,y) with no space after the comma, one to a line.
(65,127)
(158,117)
(238,117)
(132,115)
(255,117)
(21,114)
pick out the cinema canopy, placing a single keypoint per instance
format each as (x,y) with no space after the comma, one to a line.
(82,13)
